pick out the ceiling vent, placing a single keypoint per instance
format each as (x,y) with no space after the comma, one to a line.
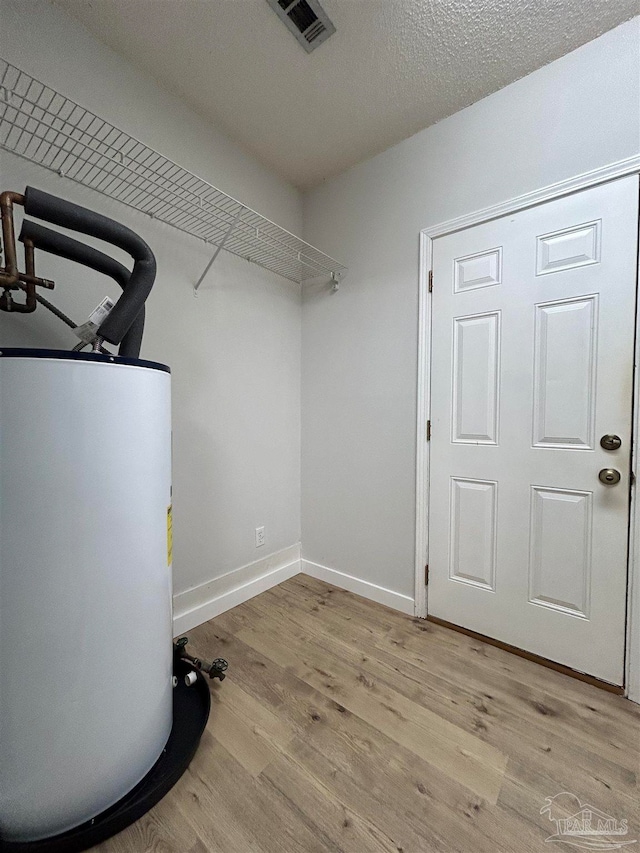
(306,19)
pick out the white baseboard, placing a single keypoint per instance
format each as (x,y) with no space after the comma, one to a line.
(195,606)
(366,589)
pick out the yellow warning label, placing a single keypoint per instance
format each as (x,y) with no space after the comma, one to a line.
(169,536)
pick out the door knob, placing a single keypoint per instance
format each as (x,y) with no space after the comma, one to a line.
(611,442)
(609,476)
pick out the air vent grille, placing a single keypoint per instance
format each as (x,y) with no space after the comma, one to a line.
(306,19)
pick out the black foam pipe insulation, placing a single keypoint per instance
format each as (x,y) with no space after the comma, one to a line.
(66,214)
(47,240)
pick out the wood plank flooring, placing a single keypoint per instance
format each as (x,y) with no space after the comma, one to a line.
(347,727)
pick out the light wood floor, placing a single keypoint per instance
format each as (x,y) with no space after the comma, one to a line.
(345,726)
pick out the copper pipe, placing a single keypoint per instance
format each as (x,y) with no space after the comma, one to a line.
(30,279)
(30,266)
(7,200)
(10,276)
(7,302)
(29,258)
(24,278)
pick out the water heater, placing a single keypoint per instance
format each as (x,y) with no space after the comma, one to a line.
(85,584)
(100,712)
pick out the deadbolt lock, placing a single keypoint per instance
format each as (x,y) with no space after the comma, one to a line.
(611,442)
(609,476)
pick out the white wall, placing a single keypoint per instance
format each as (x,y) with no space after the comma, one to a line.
(359,362)
(234,351)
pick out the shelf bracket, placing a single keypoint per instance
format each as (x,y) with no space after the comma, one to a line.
(219,248)
(336,278)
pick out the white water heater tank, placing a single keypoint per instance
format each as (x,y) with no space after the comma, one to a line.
(85,584)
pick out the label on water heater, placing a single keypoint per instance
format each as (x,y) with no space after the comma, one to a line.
(87,331)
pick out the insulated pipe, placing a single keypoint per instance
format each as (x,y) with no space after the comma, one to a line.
(58,244)
(66,247)
(68,215)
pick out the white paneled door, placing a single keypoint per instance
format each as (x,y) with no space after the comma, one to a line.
(531,368)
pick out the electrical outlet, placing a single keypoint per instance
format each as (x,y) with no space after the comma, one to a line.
(260,540)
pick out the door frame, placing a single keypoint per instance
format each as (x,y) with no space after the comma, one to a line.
(620,169)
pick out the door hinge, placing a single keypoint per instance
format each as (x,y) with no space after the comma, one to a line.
(426,575)
(430,280)
(428,430)
(632,479)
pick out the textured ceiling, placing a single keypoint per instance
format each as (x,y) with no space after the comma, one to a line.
(392,68)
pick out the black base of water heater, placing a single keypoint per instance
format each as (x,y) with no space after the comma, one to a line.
(191,706)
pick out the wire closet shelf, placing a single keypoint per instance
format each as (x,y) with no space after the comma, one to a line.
(45,127)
